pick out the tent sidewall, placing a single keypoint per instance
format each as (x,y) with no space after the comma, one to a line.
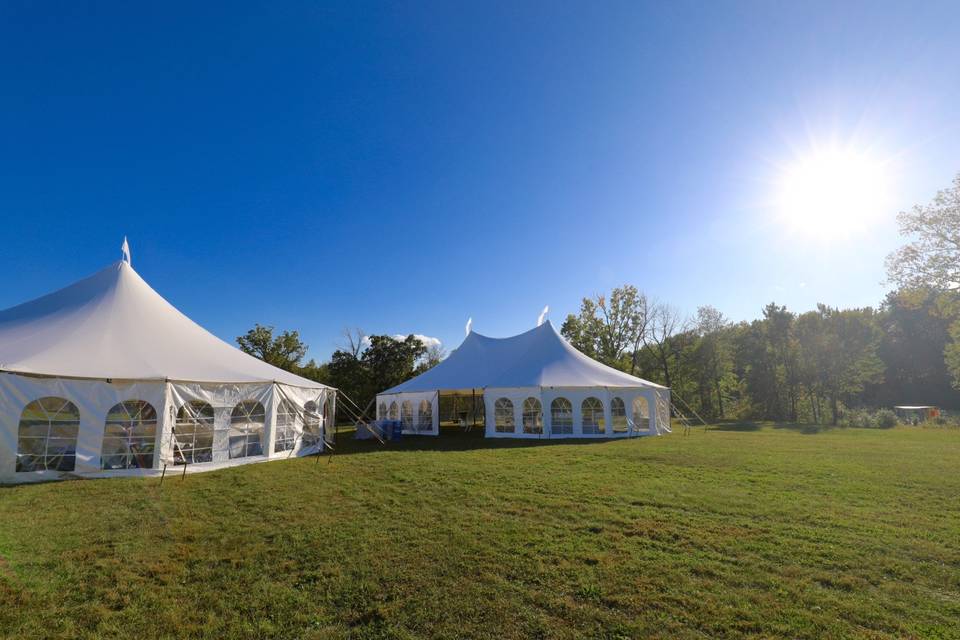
(414,399)
(95,398)
(576,396)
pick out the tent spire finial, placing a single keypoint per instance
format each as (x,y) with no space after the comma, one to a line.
(469,326)
(543,315)
(125,248)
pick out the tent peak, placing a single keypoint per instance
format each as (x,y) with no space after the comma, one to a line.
(538,357)
(125,250)
(114,325)
(543,315)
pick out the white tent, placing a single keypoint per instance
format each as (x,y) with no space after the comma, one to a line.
(105,377)
(533,385)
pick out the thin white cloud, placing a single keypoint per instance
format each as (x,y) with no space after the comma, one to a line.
(427,341)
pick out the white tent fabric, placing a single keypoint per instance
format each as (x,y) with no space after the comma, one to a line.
(113,325)
(537,365)
(105,377)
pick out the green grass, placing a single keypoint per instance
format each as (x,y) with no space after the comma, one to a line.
(739,531)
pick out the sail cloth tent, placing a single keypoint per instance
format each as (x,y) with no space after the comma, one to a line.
(533,385)
(105,377)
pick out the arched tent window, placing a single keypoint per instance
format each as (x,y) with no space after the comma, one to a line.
(532,416)
(641,414)
(561,416)
(286,438)
(591,411)
(382,413)
(129,436)
(406,415)
(425,416)
(618,415)
(193,433)
(246,429)
(393,411)
(503,416)
(47,438)
(311,424)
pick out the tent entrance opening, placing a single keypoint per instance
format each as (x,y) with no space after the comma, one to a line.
(461,410)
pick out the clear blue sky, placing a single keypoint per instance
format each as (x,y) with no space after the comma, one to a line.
(402,166)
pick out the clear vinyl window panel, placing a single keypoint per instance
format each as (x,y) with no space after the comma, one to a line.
(641,414)
(406,415)
(394,413)
(561,416)
(591,411)
(286,436)
(532,416)
(382,411)
(247,422)
(618,415)
(193,433)
(425,416)
(663,411)
(503,416)
(311,424)
(129,436)
(47,436)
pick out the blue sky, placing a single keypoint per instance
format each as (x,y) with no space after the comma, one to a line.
(402,166)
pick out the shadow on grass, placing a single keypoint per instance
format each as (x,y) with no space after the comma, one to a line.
(450,439)
(805,428)
(735,426)
(453,439)
(750,426)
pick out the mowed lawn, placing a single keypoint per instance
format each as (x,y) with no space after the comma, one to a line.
(737,531)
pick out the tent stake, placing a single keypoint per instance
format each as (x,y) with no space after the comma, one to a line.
(163,474)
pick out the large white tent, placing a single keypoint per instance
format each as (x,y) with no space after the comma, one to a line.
(105,377)
(533,385)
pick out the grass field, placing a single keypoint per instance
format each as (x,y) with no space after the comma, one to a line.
(739,531)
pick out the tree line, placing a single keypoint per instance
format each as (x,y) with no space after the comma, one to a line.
(810,366)
(362,367)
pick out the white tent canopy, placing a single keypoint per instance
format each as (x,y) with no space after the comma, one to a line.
(105,376)
(113,325)
(534,384)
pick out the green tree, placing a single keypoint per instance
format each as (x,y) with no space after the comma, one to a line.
(390,361)
(712,360)
(915,333)
(664,339)
(284,351)
(840,354)
(432,356)
(384,362)
(316,372)
(767,361)
(931,260)
(608,325)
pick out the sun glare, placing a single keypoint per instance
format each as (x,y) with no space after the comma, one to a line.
(833,192)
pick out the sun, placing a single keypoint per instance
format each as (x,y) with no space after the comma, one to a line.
(833,192)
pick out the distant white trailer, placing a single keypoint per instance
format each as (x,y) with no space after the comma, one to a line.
(915,414)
